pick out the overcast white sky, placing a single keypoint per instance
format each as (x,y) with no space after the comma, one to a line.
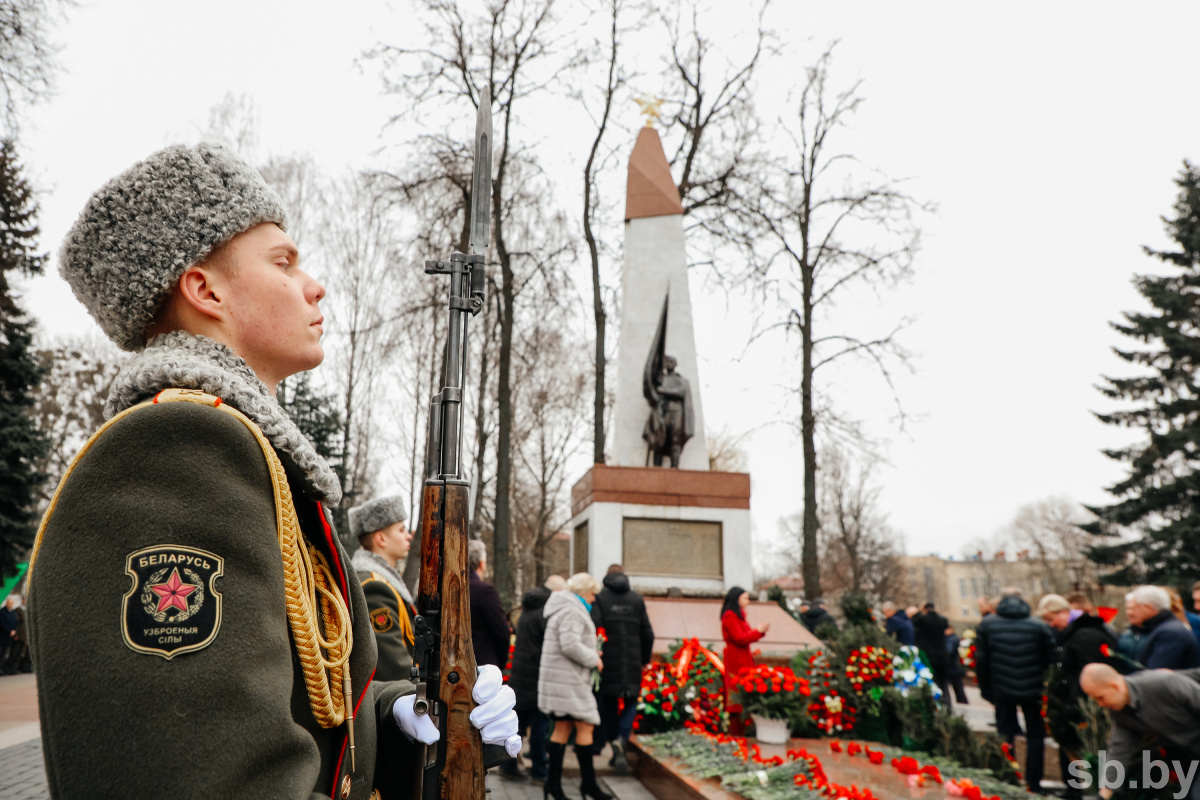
(1048,135)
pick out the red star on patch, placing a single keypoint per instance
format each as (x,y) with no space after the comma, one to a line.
(173,593)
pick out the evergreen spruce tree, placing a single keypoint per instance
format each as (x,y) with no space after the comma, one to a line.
(317,417)
(21,444)
(1159,500)
(315,414)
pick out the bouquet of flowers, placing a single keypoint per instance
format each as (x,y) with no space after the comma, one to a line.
(816,667)
(966,649)
(659,706)
(701,676)
(910,671)
(832,713)
(601,638)
(868,665)
(772,692)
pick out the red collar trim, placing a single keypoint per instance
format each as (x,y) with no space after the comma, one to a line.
(333,552)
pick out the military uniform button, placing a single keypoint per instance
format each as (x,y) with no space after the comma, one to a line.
(346,787)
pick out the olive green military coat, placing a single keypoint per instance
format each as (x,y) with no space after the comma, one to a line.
(159,631)
(390,618)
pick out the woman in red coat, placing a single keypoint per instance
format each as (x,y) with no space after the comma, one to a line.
(738,638)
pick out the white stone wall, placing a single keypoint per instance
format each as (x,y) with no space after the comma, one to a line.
(655,260)
(605,522)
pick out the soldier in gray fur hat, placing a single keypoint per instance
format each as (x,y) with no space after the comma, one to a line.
(186,577)
(379,527)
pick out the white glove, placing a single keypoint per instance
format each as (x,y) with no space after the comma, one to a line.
(494,716)
(415,726)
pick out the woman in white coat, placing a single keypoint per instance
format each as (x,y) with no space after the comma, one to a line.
(569,654)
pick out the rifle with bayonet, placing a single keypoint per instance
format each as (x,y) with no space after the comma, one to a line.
(444,660)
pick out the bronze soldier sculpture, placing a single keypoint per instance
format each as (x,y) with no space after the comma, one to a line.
(672,420)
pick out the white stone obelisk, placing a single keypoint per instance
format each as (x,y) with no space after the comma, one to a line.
(655,264)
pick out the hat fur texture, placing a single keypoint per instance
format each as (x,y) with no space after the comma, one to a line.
(375,515)
(146,226)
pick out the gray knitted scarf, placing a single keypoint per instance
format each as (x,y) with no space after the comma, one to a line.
(181,360)
(364,560)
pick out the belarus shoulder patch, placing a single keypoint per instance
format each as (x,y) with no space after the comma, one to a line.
(382,620)
(173,606)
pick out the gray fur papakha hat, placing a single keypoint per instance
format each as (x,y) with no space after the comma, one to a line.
(375,515)
(146,226)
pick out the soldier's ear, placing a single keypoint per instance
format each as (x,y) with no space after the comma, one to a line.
(199,288)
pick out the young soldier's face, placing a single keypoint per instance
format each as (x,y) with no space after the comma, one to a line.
(393,541)
(272,305)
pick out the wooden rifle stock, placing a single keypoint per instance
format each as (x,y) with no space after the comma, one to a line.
(453,768)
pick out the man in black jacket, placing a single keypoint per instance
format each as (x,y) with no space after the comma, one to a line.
(621,612)
(523,678)
(1166,643)
(1081,641)
(1013,651)
(898,625)
(815,615)
(930,629)
(489,624)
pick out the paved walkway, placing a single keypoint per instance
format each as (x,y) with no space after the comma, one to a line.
(18,710)
(979,713)
(22,775)
(621,788)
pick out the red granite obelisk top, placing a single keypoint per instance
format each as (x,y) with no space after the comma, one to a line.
(651,190)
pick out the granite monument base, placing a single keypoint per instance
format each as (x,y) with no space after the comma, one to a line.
(674,531)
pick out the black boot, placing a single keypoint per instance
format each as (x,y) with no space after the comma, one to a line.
(587,770)
(553,785)
(619,763)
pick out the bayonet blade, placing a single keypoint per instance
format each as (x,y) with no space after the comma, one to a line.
(481,178)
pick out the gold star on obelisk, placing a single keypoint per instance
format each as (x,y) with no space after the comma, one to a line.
(649,106)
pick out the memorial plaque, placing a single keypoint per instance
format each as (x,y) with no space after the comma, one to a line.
(579,563)
(672,547)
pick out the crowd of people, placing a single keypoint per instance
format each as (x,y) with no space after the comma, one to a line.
(576,660)
(576,668)
(928,630)
(1063,652)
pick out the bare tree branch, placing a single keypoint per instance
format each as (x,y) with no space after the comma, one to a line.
(797,238)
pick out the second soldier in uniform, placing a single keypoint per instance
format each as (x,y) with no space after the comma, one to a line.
(383,542)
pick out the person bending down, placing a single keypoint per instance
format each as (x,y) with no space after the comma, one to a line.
(1158,703)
